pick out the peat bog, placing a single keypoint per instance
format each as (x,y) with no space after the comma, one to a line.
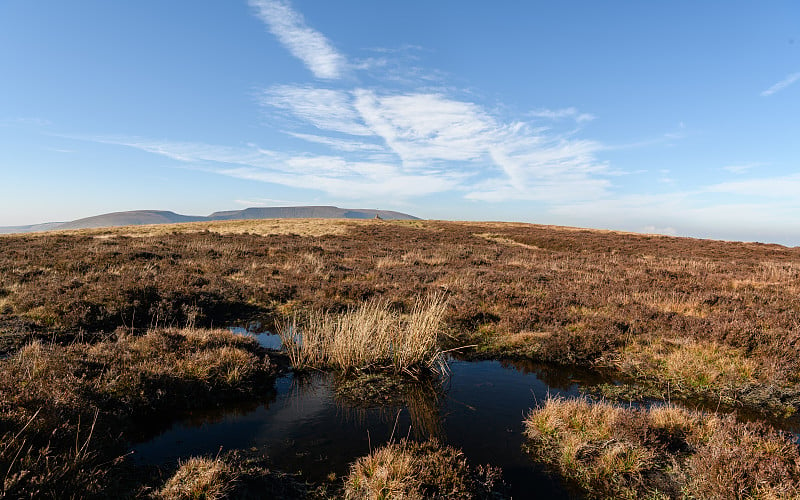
(110,336)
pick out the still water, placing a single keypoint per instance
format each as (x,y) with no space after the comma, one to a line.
(313,425)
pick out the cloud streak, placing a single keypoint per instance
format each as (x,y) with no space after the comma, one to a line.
(444,143)
(302,41)
(789,80)
(769,187)
(425,133)
(334,175)
(325,109)
(559,114)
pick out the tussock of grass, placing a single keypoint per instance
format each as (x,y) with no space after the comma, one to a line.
(408,470)
(691,366)
(236,474)
(369,336)
(389,472)
(199,478)
(663,452)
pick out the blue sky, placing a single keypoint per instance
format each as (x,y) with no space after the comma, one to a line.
(672,117)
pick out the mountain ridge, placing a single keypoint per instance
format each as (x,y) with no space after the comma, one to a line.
(143,217)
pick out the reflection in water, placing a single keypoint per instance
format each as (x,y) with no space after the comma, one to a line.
(266,339)
(556,376)
(320,423)
(359,397)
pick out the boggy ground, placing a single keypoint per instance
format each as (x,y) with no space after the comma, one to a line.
(66,412)
(662,452)
(690,317)
(101,325)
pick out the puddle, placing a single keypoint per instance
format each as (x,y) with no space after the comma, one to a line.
(319,424)
(265,339)
(313,426)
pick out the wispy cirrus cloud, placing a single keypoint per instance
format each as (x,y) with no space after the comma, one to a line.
(325,109)
(741,168)
(334,175)
(789,80)
(787,186)
(302,41)
(339,144)
(422,128)
(560,114)
(403,128)
(432,133)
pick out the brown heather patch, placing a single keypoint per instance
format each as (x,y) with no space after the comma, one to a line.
(663,452)
(594,292)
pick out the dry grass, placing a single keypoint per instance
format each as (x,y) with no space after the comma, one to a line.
(389,472)
(199,478)
(33,468)
(261,227)
(409,470)
(663,452)
(52,395)
(593,295)
(683,366)
(582,440)
(371,336)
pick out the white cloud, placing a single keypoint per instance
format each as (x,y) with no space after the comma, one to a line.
(325,109)
(432,133)
(338,144)
(741,168)
(559,114)
(789,80)
(305,43)
(422,128)
(332,175)
(773,187)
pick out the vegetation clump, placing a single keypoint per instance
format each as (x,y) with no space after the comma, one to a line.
(409,470)
(199,478)
(371,336)
(65,410)
(662,452)
(236,474)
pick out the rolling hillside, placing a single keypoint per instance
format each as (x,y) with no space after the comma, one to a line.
(142,217)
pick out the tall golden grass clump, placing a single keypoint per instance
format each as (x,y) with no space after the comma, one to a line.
(369,336)
(388,472)
(662,452)
(410,470)
(199,477)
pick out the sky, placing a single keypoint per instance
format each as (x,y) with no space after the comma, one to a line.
(678,117)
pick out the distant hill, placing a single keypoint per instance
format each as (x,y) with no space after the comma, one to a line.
(320,212)
(142,217)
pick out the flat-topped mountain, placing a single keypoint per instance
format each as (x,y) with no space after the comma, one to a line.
(142,217)
(313,212)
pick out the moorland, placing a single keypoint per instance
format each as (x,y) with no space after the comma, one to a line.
(102,328)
